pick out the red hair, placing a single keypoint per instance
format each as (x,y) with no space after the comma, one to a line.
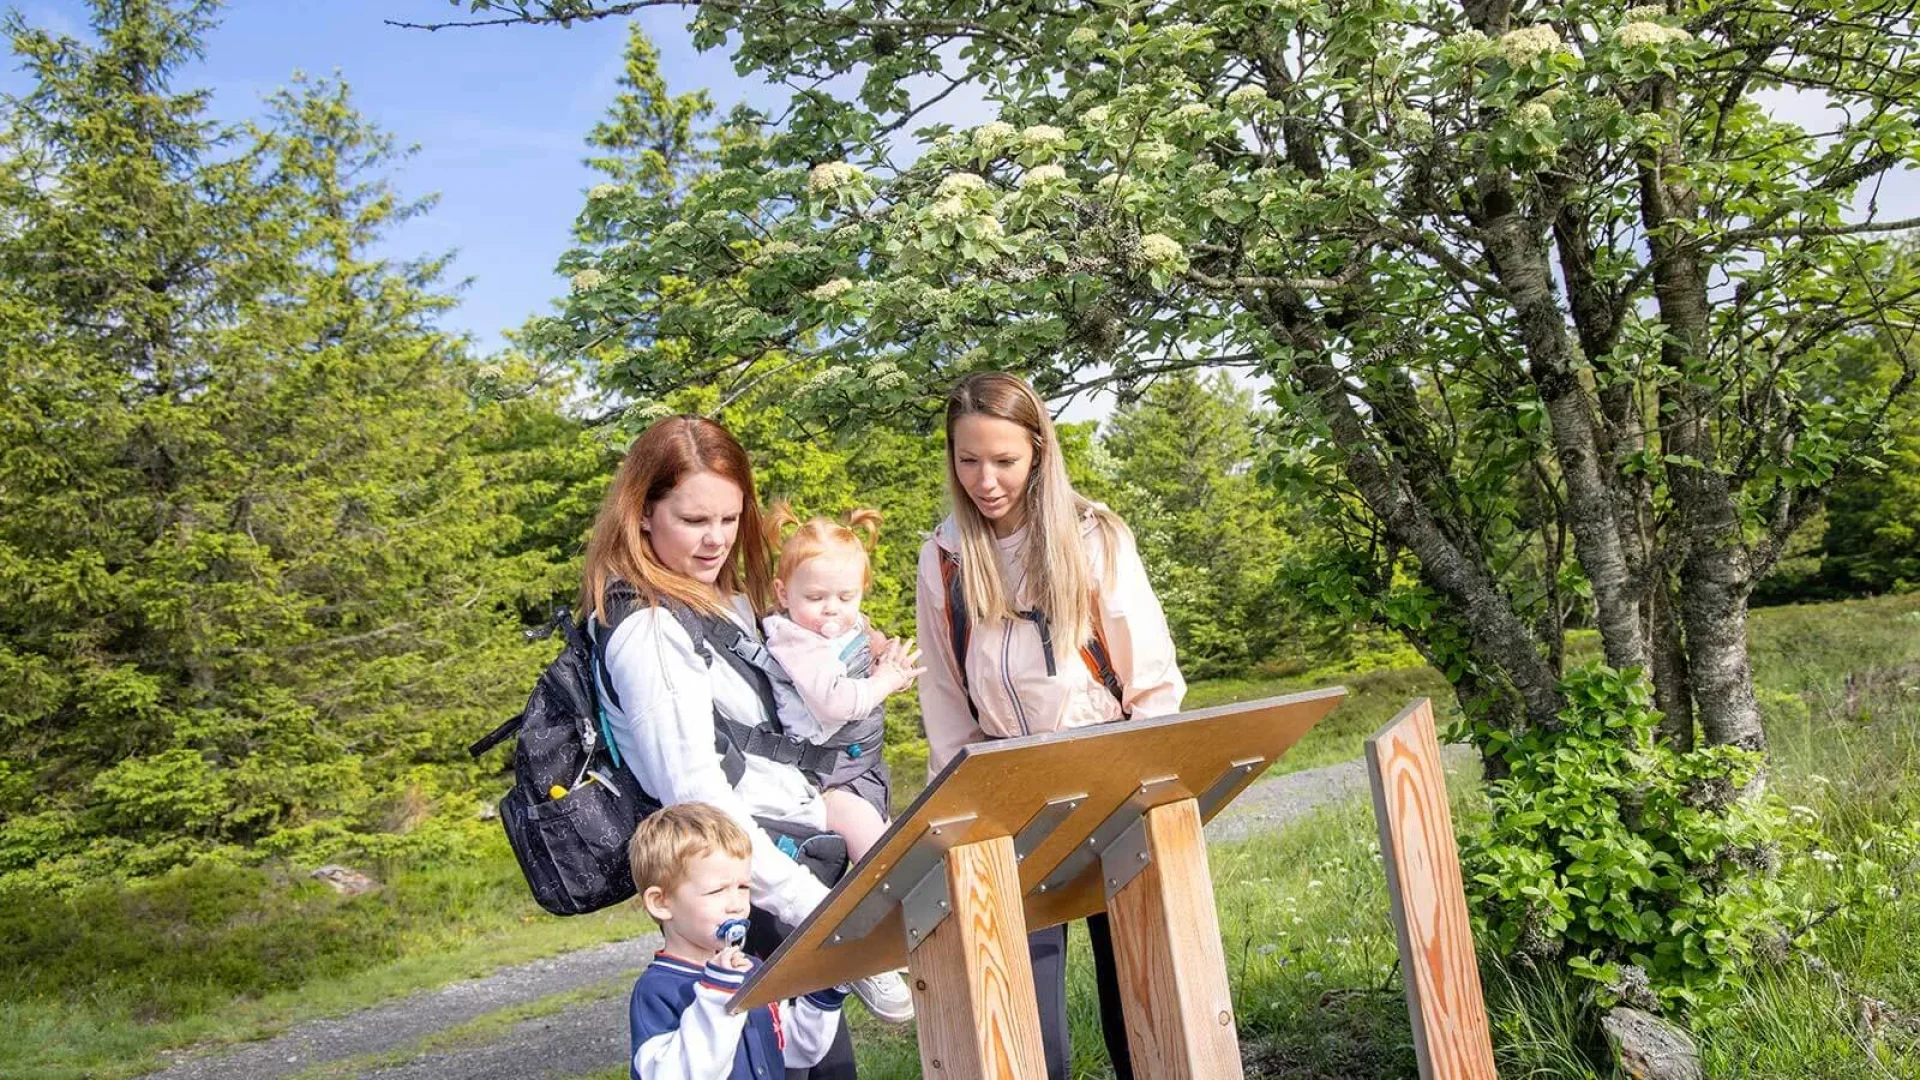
(820,535)
(664,455)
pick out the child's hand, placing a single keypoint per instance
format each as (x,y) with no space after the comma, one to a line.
(900,665)
(731,958)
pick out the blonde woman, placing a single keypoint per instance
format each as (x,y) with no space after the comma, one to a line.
(1034,615)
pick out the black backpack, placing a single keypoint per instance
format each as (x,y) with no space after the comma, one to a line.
(574,805)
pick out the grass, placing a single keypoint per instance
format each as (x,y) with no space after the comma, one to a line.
(99,982)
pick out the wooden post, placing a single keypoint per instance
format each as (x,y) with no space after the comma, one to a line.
(972,979)
(1449,1017)
(1166,945)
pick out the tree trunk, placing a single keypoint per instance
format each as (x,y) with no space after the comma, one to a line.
(1500,639)
(1520,262)
(1716,573)
(1672,693)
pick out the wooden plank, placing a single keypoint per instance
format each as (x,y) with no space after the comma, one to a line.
(1422,858)
(1002,785)
(1166,947)
(972,980)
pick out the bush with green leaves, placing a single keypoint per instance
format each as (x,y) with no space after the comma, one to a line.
(1639,866)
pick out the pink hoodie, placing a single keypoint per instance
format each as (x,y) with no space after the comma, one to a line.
(1006,667)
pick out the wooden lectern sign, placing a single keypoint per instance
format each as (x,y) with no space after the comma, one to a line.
(1021,834)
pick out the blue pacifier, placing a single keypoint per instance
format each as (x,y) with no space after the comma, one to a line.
(733,931)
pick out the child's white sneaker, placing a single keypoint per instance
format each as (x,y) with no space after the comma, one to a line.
(886,996)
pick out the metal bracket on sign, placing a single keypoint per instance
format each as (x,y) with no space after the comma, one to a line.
(1126,856)
(1149,794)
(925,906)
(1226,784)
(1044,821)
(928,855)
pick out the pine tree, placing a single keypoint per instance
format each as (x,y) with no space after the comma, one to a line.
(247,523)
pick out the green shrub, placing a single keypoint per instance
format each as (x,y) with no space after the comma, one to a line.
(1637,867)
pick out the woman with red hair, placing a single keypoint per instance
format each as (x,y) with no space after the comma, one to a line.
(677,570)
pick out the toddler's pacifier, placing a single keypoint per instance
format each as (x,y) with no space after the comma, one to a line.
(733,931)
(832,628)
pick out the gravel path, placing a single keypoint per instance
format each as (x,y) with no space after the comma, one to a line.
(590,1036)
(404,1022)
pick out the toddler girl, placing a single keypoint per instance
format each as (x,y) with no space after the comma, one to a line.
(839,671)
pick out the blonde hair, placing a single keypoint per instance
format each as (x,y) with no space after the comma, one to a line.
(818,536)
(618,550)
(672,837)
(1059,577)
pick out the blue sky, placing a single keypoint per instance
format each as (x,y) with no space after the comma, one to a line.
(498,116)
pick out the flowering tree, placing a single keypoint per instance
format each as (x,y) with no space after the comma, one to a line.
(1541,291)
(1554,304)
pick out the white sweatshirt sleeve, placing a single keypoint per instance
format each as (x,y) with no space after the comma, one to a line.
(701,1043)
(811,1024)
(659,677)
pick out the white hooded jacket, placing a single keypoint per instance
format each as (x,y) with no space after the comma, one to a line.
(1006,664)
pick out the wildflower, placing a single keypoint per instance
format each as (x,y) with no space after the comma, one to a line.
(1042,135)
(1520,47)
(959,184)
(1825,858)
(1416,123)
(1097,116)
(831,176)
(1247,97)
(1533,115)
(831,289)
(949,209)
(1041,175)
(1153,153)
(1314,884)
(1193,110)
(588,280)
(1635,35)
(826,378)
(1164,251)
(988,138)
(1083,37)
(602,191)
(1644,13)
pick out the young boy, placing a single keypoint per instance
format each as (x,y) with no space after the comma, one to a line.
(690,865)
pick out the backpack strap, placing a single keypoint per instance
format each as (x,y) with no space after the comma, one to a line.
(621,600)
(959,629)
(753,661)
(1094,653)
(562,622)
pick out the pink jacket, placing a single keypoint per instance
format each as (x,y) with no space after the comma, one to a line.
(833,698)
(1006,667)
